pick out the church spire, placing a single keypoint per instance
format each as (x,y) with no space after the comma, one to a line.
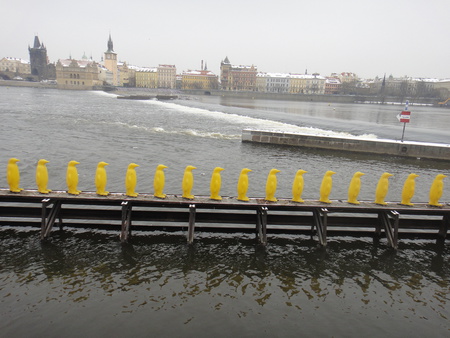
(37,44)
(110,45)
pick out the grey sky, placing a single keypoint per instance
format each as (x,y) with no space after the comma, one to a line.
(369,38)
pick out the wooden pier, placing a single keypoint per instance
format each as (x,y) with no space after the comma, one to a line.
(145,212)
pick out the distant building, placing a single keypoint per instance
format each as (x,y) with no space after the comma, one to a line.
(332,86)
(39,61)
(443,89)
(110,62)
(13,65)
(199,79)
(167,76)
(146,77)
(272,82)
(307,84)
(237,78)
(346,77)
(77,74)
(123,77)
(225,67)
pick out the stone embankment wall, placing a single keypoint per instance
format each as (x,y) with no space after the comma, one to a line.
(309,97)
(384,147)
(11,83)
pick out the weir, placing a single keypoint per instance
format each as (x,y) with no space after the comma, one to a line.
(123,214)
(375,146)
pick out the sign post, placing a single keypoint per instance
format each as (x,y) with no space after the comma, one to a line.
(405,117)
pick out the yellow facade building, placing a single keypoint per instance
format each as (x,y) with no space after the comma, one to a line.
(146,77)
(306,84)
(199,79)
(77,74)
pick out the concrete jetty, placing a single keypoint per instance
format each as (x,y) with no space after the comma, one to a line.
(411,149)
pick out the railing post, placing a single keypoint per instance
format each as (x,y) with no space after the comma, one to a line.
(190,235)
(444,226)
(320,222)
(390,220)
(261,225)
(48,222)
(126,221)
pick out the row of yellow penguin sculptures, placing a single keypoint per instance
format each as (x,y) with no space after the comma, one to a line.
(13,179)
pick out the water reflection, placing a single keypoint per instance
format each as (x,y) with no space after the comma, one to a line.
(159,272)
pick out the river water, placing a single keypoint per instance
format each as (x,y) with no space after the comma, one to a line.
(83,282)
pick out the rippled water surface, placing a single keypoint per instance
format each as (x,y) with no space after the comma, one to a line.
(85,283)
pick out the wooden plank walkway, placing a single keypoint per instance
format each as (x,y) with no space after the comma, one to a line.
(145,212)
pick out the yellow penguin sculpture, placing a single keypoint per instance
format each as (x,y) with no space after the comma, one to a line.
(297,186)
(131,180)
(408,189)
(354,188)
(13,175)
(271,185)
(436,190)
(326,186)
(382,188)
(101,179)
(242,185)
(72,178)
(158,181)
(42,176)
(216,183)
(188,182)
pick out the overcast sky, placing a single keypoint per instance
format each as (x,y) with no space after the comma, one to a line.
(369,38)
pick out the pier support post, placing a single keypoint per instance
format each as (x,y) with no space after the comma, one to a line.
(320,220)
(444,226)
(126,221)
(48,222)
(389,219)
(190,235)
(261,225)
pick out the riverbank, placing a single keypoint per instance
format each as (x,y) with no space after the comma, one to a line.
(28,84)
(183,94)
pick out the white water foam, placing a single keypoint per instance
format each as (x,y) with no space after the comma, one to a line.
(252,123)
(190,132)
(244,122)
(102,93)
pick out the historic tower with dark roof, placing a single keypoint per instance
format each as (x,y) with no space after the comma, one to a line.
(110,61)
(39,60)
